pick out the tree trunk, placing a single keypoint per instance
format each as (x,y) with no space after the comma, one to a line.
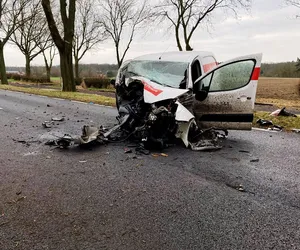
(48,73)
(118,55)
(28,71)
(64,45)
(76,68)
(177,38)
(66,68)
(2,65)
(188,47)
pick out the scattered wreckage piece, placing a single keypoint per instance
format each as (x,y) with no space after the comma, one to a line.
(296,130)
(57,119)
(269,124)
(48,124)
(63,142)
(263,122)
(90,134)
(282,112)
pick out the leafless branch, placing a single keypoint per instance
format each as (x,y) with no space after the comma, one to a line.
(120,16)
(187,15)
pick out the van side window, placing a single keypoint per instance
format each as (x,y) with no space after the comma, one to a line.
(196,71)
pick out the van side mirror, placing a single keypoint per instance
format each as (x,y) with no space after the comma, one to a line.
(200,92)
(113,82)
(201,95)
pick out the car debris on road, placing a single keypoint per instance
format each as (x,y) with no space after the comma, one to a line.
(282,112)
(269,124)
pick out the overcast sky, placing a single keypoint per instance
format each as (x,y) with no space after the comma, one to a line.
(270,28)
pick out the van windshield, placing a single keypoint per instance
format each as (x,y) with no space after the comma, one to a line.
(164,73)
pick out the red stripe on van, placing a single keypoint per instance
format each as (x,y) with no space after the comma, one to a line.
(150,89)
(255,74)
(209,66)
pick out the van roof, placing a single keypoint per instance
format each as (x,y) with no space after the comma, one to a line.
(176,56)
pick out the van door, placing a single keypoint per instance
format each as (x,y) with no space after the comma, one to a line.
(225,96)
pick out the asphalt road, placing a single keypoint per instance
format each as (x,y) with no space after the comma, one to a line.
(105,199)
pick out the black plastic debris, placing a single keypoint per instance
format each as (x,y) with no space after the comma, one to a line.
(276,128)
(296,130)
(141,150)
(244,151)
(269,124)
(263,122)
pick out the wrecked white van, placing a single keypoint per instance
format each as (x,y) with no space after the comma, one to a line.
(179,95)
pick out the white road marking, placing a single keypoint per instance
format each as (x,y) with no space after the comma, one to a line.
(265,130)
(79,102)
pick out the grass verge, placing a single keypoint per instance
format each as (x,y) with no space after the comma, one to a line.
(287,122)
(280,102)
(110,90)
(103,100)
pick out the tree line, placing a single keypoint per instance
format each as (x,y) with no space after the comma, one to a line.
(70,28)
(281,69)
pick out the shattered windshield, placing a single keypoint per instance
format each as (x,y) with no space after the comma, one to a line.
(164,73)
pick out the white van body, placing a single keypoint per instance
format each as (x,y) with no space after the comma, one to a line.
(230,87)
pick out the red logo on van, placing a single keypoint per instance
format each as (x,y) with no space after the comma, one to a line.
(151,89)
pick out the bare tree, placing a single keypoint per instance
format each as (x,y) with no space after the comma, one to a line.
(49,52)
(185,16)
(123,16)
(88,31)
(64,42)
(33,35)
(10,10)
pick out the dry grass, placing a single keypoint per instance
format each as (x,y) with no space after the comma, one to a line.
(294,104)
(103,100)
(288,123)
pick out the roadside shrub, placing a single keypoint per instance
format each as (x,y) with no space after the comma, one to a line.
(35,79)
(78,81)
(14,76)
(99,82)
